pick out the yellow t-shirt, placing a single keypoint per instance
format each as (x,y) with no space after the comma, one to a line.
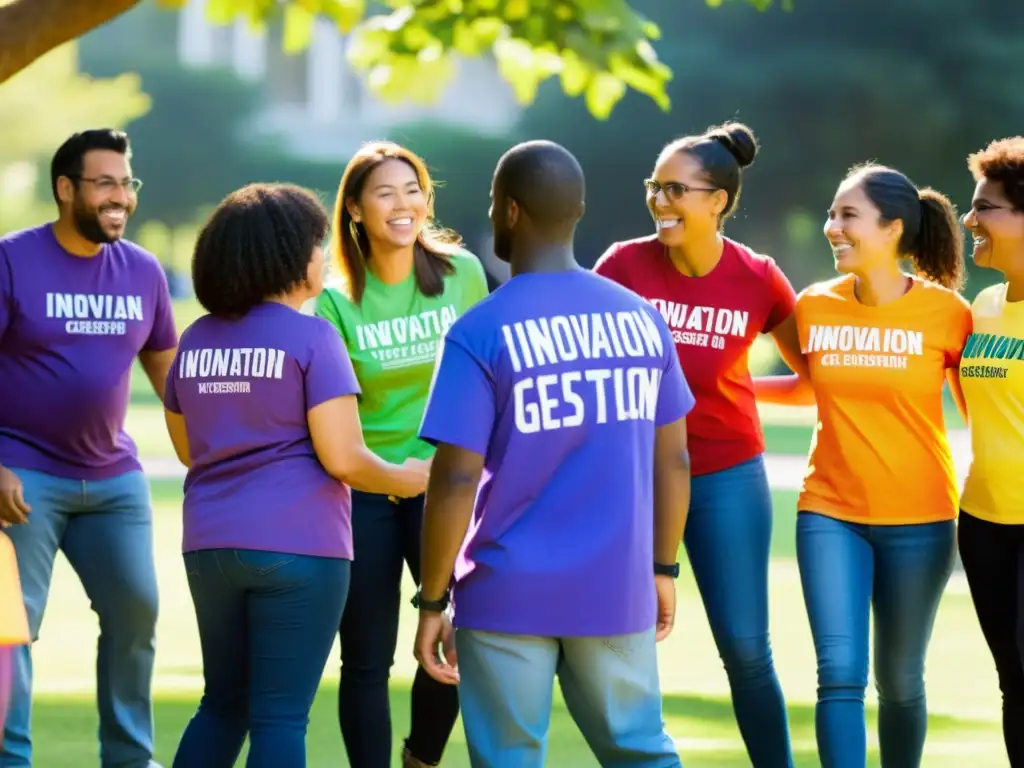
(880,454)
(13,624)
(992,378)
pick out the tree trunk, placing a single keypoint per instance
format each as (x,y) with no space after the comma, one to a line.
(31,28)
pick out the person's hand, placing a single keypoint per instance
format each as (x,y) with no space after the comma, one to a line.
(13,509)
(417,473)
(435,647)
(666,589)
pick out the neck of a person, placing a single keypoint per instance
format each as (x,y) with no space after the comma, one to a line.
(697,257)
(543,257)
(295,298)
(881,285)
(72,241)
(1015,283)
(389,264)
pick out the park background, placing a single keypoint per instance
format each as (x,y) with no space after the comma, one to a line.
(825,84)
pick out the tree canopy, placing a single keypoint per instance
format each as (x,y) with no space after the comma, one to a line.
(598,49)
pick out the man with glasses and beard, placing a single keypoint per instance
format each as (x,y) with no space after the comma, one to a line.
(77,306)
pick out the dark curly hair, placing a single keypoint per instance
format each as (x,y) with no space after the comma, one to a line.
(931,229)
(1002,161)
(257,243)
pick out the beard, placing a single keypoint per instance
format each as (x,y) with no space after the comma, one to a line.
(87,222)
(503,245)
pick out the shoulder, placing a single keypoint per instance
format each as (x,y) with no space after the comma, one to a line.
(831,290)
(945,298)
(138,258)
(989,297)
(760,264)
(626,254)
(463,260)
(15,243)
(334,300)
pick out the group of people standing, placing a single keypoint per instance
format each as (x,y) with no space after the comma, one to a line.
(313,413)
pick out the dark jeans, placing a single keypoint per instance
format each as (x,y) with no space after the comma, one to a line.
(900,571)
(266,625)
(386,535)
(728,538)
(993,558)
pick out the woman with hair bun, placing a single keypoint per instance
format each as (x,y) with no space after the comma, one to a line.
(876,531)
(717,295)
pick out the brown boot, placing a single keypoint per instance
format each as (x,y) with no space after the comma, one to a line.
(409,761)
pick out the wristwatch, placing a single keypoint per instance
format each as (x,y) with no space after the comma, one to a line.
(432,606)
(660,569)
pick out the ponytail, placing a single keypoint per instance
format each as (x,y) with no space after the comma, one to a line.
(938,249)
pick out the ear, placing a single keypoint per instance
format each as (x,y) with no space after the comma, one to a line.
(65,189)
(719,199)
(512,213)
(353,210)
(895,231)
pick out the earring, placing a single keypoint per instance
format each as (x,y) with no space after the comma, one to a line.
(353,230)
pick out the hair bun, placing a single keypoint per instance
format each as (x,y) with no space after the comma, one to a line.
(739,139)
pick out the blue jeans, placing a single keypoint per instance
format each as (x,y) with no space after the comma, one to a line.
(610,686)
(846,570)
(267,621)
(728,541)
(105,529)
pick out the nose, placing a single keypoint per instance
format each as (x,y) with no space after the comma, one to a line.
(121,195)
(970,219)
(833,228)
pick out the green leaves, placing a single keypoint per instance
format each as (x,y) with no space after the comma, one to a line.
(598,49)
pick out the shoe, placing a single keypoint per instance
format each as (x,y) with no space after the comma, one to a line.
(409,761)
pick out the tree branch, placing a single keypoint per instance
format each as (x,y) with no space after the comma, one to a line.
(31,28)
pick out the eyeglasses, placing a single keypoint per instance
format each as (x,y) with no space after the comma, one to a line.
(108,185)
(673,189)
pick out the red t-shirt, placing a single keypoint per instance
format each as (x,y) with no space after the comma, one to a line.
(714,319)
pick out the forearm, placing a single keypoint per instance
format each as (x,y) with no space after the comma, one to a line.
(366,471)
(671,505)
(788,389)
(449,509)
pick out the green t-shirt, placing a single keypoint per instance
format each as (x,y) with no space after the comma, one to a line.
(392,339)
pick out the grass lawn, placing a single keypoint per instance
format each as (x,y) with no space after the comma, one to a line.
(962,687)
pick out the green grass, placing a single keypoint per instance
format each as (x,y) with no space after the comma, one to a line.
(963,693)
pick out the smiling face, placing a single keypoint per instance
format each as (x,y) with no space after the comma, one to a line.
(860,240)
(103,198)
(393,207)
(996,228)
(681,202)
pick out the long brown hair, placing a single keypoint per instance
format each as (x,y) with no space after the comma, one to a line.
(350,246)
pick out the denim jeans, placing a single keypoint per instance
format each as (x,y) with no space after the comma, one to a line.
(6,679)
(610,686)
(846,570)
(386,535)
(993,558)
(267,622)
(728,541)
(105,529)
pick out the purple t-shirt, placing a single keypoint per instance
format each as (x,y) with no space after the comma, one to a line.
(244,387)
(559,381)
(70,330)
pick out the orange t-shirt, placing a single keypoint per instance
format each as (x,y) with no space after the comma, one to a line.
(13,624)
(879,453)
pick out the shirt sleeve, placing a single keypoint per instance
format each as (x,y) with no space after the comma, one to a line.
(675,399)
(6,293)
(329,372)
(163,334)
(611,265)
(170,388)
(961,328)
(476,280)
(783,297)
(461,408)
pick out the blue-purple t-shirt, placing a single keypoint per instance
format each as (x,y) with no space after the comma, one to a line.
(559,381)
(70,330)
(245,387)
